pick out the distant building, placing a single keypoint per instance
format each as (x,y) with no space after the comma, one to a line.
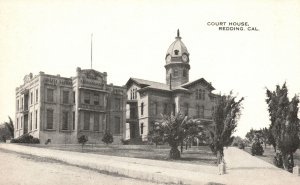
(147,100)
(62,109)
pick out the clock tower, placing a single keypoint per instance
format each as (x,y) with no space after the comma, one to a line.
(177,63)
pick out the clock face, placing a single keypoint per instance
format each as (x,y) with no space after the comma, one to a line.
(168,59)
(185,58)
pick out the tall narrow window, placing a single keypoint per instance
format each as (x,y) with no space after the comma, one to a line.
(96,99)
(74,97)
(117,104)
(117,125)
(131,97)
(65,120)
(36,119)
(65,97)
(31,98)
(202,112)
(21,123)
(198,111)
(49,119)
(22,103)
(50,93)
(186,109)
(184,73)
(87,98)
(142,128)
(203,94)
(30,122)
(36,95)
(96,122)
(142,108)
(73,120)
(18,105)
(17,123)
(86,125)
(165,108)
(155,108)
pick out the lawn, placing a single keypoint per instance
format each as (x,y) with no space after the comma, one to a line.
(269,154)
(201,155)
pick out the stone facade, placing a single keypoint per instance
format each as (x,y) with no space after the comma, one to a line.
(148,100)
(62,109)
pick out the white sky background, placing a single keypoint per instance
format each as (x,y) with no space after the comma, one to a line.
(131,39)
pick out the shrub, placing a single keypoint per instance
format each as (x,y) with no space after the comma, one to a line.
(26,139)
(241,146)
(82,140)
(107,138)
(125,142)
(257,149)
(277,160)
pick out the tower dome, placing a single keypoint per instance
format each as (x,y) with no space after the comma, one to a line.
(177,49)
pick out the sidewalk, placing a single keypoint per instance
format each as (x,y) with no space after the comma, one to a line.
(242,167)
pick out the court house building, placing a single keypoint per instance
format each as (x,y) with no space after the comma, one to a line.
(147,100)
(60,109)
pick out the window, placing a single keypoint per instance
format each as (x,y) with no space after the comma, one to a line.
(142,108)
(65,120)
(21,124)
(131,94)
(22,103)
(142,128)
(117,125)
(30,125)
(86,118)
(31,98)
(203,94)
(202,111)
(65,97)
(186,105)
(36,95)
(36,118)
(49,119)
(117,104)
(96,122)
(87,98)
(165,108)
(74,97)
(73,120)
(155,108)
(176,52)
(17,123)
(18,104)
(50,93)
(96,99)
(198,110)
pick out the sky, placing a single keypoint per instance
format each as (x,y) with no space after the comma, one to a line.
(130,39)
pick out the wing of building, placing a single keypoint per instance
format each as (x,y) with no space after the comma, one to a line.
(51,107)
(148,100)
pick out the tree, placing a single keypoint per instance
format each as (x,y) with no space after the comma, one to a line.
(284,123)
(174,132)
(225,118)
(107,138)
(155,136)
(82,140)
(250,135)
(10,126)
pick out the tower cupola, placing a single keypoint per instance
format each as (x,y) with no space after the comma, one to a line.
(177,63)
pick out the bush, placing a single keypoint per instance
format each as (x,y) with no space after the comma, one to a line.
(257,149)
(125,142)
(277,160)
(241,146)
(107,138)
(26,139)
(82,139)
(235,144)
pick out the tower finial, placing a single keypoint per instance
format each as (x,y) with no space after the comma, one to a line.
(178,33)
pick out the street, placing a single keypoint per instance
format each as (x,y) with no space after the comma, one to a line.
(19,169)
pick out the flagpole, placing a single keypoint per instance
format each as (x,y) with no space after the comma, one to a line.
(92,51)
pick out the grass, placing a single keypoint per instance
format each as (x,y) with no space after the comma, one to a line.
(201,155)
(269,154)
